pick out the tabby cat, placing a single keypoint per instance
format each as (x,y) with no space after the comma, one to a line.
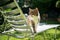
(33,18)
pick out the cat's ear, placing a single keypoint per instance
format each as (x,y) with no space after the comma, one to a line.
(36,8)
(30,9)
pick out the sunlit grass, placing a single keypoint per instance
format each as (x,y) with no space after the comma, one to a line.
(47,35)
(5,37)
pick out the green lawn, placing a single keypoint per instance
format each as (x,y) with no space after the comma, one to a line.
(5,37)
(46,35)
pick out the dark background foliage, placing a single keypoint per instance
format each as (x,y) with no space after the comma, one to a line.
(45,7)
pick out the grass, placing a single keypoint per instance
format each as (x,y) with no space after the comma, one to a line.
(5,37)
(46,35)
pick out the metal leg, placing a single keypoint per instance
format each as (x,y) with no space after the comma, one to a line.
(44,34)
(55,34)
(32,38)
(8,37)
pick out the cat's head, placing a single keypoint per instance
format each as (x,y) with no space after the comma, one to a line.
(33,11)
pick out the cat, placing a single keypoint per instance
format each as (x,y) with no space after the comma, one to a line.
(33,18)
